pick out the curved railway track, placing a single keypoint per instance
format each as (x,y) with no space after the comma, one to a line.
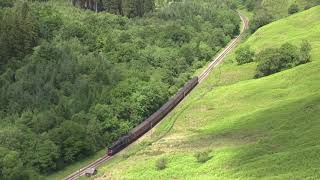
(216,61)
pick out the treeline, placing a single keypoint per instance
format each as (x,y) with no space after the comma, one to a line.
(129,8)
(72,82)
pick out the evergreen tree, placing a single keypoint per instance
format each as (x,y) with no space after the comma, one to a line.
(19,33)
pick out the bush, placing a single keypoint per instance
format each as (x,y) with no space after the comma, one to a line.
(273,60)
(244,55)
(202,157)
(294,8)
(250,5)
(6,3)
(161,164)
(308,7)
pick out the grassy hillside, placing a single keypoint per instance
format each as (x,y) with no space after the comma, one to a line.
(266,127)
(280,7)
(304,25)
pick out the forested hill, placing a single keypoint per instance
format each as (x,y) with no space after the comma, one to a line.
(73,80)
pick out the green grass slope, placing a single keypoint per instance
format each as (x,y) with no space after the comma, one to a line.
(304,25)
(254,128)
(293,29)
(280,7)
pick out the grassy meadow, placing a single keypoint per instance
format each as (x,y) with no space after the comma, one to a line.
(252,128)
(280,7)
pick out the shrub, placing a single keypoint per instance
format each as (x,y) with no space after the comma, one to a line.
(202,157)
(161,164)
(308,7)
(294,8)
(273,60)
(244,55)
(250,5)
(305,49)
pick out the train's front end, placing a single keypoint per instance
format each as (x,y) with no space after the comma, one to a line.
(110,152)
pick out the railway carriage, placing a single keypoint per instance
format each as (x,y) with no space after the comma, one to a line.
(151,121)
(119,144)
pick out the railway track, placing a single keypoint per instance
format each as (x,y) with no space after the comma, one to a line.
(82,171)
(216,61)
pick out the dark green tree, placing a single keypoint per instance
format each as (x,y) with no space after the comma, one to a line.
(19,33)
(72,140)
(45,156)
(273,60)
(294,8)
(6,3)
(305,49)
(244,55)
(12,166)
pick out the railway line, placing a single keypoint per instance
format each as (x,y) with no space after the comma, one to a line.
(216,61)
(82,171)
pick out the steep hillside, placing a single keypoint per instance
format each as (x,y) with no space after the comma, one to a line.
(280,7)
(304,25)
(252,128)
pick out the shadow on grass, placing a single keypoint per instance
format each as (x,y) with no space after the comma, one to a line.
(292,146)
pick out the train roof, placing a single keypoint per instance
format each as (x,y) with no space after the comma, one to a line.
(120,140)
(146,121)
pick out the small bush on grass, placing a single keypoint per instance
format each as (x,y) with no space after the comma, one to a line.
(202,157)
(161,164)
(294,8)
(244,55)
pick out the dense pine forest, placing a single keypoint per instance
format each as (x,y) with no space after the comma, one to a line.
(74,80)
(130,8)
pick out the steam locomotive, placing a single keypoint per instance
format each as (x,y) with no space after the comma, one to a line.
(151,121)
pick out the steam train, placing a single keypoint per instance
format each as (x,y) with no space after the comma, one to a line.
(151,121)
